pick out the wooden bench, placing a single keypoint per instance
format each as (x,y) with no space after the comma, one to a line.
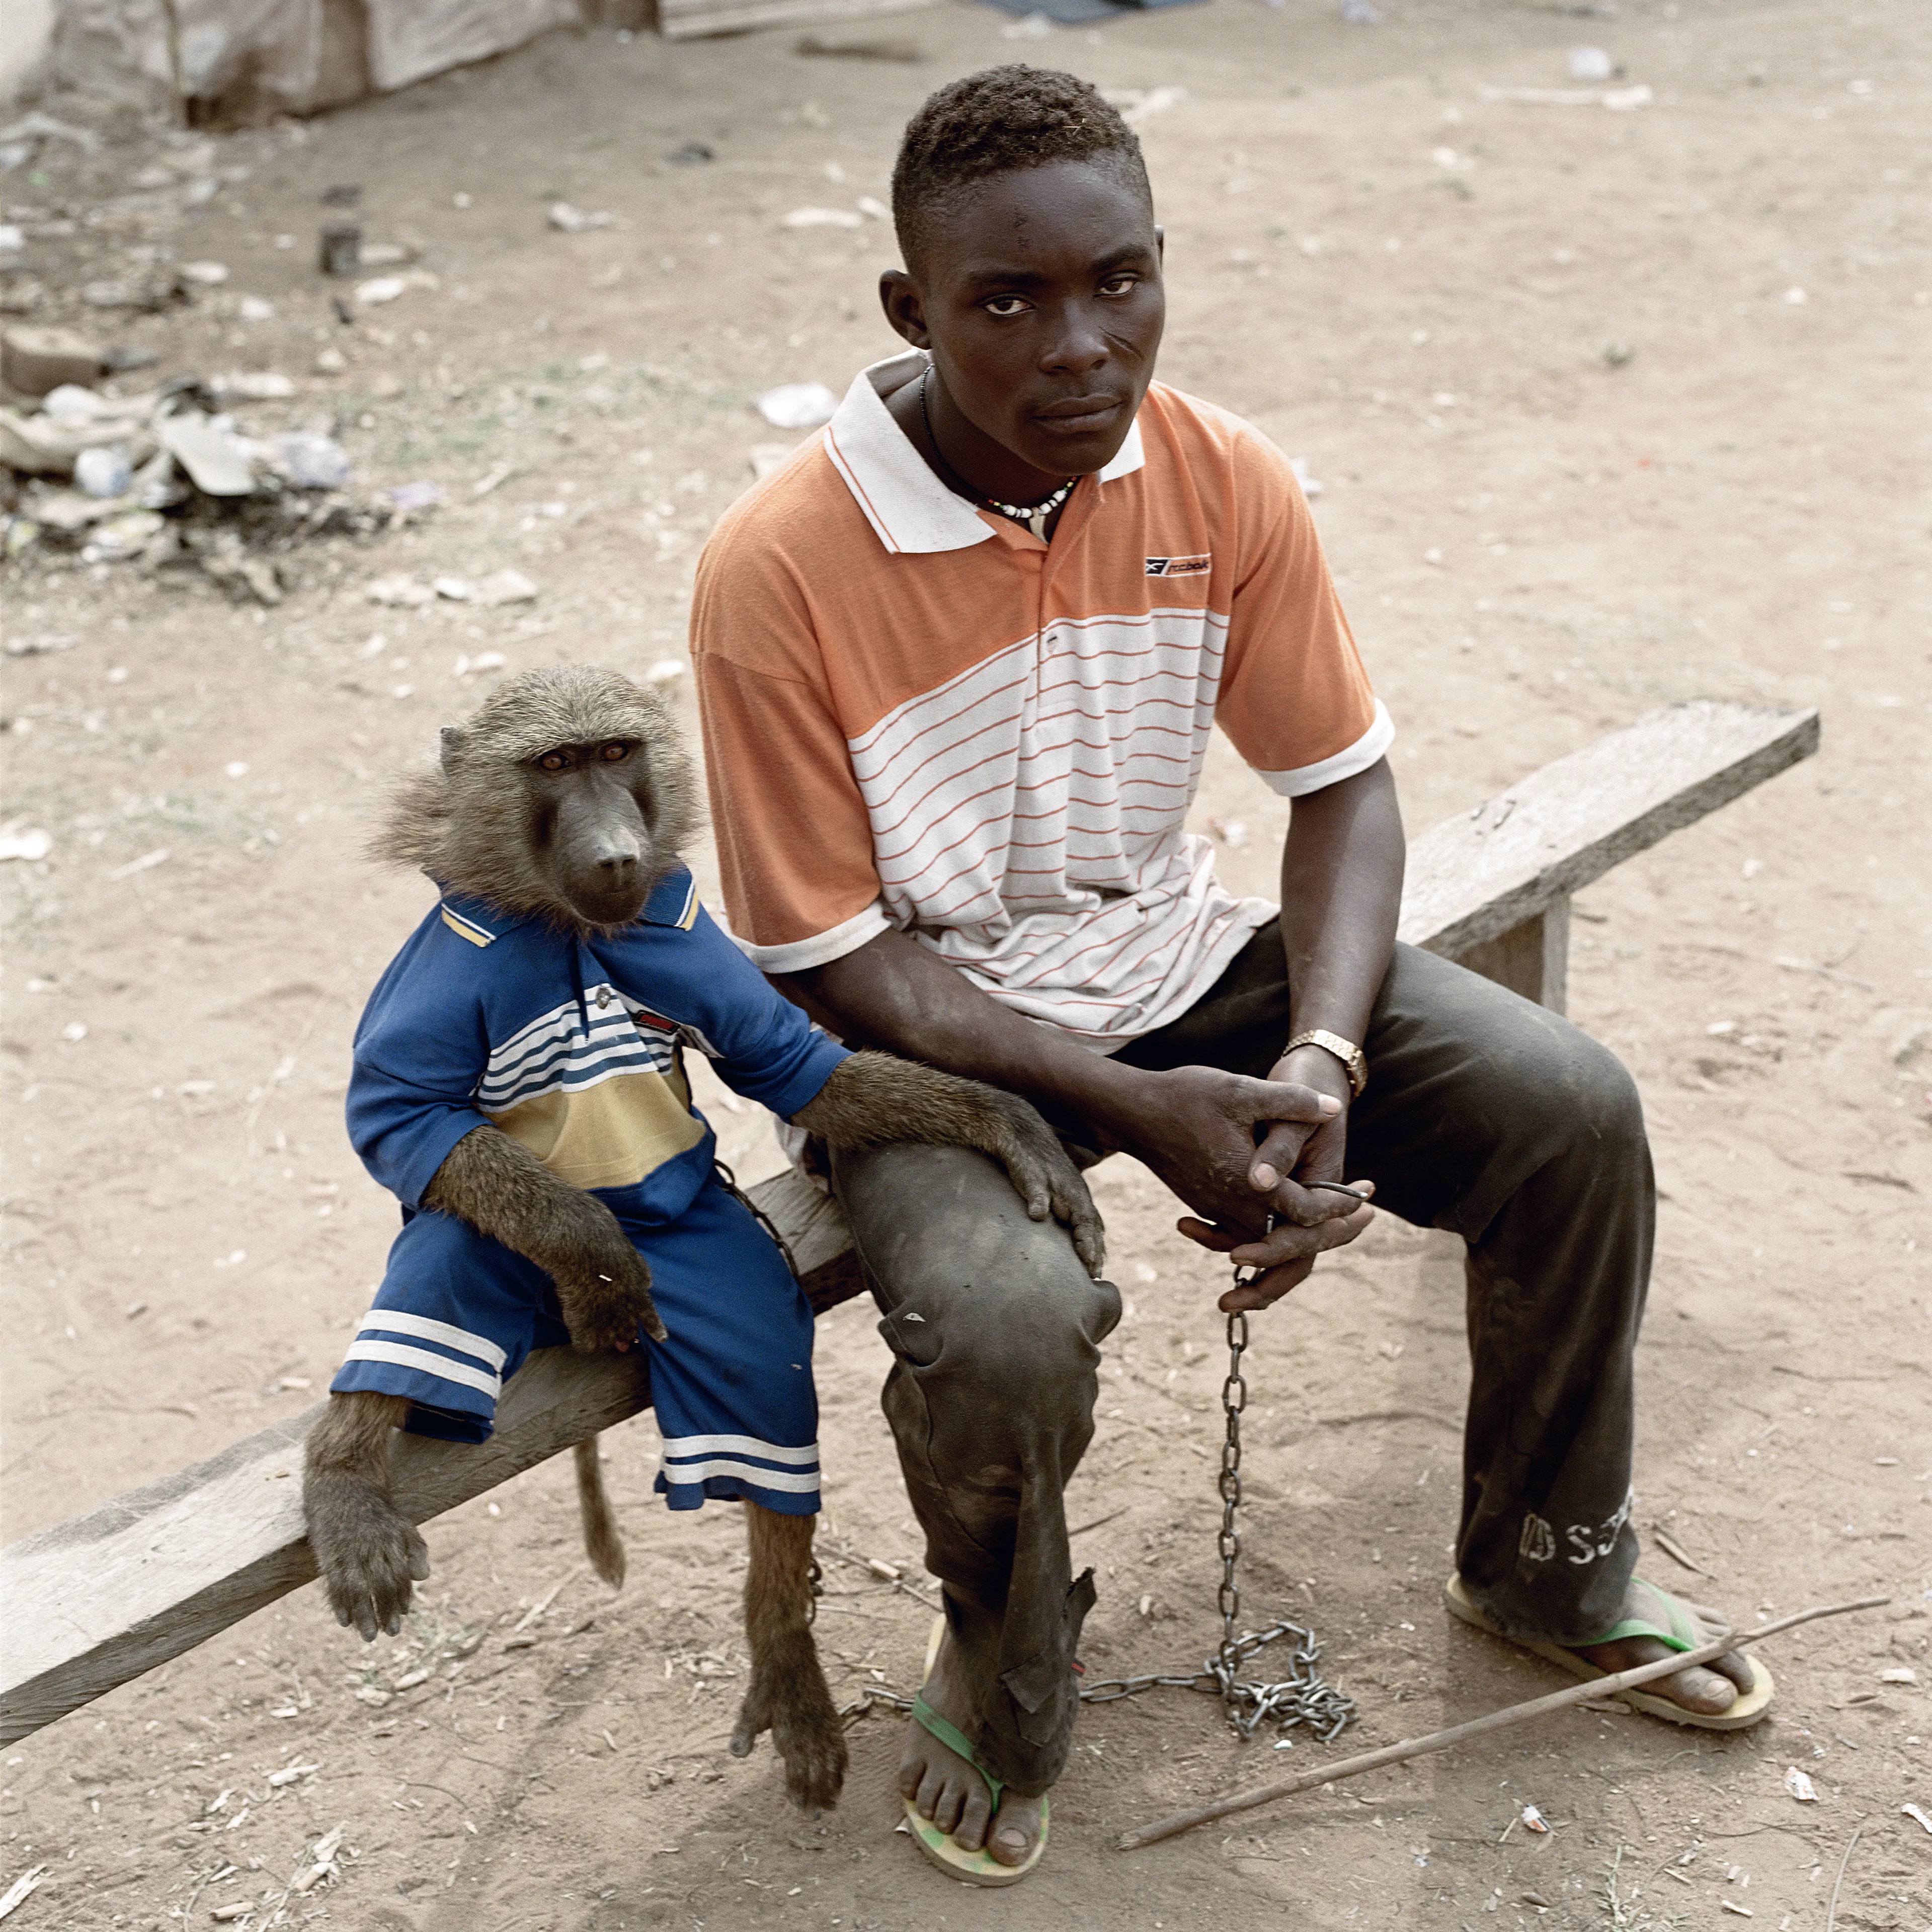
(93,1602)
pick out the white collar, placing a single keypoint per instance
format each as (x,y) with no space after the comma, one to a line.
(903,500)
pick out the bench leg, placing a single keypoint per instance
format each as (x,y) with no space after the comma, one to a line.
(1532,958)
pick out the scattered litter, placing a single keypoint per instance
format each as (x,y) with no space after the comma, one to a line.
(22,1887)
(1531,1820)
(1618,100)
(252,386)
(1591,63)
(104,470)
(1799,1784)
(823,218)
(205,275)
(289,1773)
(39,644)
(217,460)
(146,863)
(380,289)
(321,1862)
(420,496)
(339,248)
(33,361)
(575,221)
(1918,1813)
(1311,486)
(403,591)
(309,459)
(1139,105)
(797,405)
(1736,1911)
(371,1695)
(227,1914)
(1899,1674)
(30,844)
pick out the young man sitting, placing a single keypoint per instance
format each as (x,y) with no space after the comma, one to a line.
(958,662)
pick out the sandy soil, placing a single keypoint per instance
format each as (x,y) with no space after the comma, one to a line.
(1409,284)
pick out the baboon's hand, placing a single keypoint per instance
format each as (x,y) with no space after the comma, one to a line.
(369,1552)
(1044,1177)
(604,1286)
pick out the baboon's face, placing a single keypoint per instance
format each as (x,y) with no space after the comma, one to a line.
(591,814)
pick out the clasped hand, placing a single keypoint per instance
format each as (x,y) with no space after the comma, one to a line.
(1195,1127)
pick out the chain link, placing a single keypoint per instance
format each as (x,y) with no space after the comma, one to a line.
(1303,1697)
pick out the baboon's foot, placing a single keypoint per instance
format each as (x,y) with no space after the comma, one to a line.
(789,1698)
(370,1554)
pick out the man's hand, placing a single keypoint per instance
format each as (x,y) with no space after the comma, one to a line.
(1195,1127)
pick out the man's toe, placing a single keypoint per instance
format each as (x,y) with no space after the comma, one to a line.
(1010,1845)
(1702,1691)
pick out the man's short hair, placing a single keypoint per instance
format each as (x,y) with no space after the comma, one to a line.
(997,122)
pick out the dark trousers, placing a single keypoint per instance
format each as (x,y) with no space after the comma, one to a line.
(1484,1114)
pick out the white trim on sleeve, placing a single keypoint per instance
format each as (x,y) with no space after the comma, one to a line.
(691,1475)
(395,1322)
(1372,745)
(741,1445)
(821,949)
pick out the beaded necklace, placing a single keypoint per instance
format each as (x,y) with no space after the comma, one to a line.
(1034,515)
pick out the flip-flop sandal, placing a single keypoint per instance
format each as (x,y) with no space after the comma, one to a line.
(979,1868)
(1684,1634)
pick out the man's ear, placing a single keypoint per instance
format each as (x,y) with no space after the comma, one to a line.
(905,307)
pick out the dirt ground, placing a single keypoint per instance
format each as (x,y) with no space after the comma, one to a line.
(1413,285)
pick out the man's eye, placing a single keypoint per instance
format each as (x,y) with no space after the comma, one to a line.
(1120,285)
(1005,306)
(615,752)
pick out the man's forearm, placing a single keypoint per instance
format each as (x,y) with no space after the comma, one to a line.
(893,993)
(1341,895)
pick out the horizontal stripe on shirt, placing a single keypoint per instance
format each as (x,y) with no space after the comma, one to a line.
(443,1368)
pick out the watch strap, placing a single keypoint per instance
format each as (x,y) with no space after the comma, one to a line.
(1351,1055)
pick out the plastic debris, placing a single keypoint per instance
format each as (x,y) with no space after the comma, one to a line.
(309,459)
(575,220)
(1533,1820)
(1799,1784)
(823,218)
(22,1887)
(253,386)
(1918,1813)
(104,470)
(30,844)
(1898,1674)
(218,461)
(1590,64)
(797,406)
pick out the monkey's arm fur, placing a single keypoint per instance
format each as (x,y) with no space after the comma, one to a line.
(874,1098)
(502,1190)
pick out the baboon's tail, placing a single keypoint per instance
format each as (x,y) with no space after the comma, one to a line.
(601,1542)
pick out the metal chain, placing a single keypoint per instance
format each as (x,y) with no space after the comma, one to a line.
(1303,1697)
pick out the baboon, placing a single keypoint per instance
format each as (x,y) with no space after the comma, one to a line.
(519,1085)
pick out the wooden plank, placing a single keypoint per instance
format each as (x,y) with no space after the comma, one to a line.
(1477,875)
(91,1602)
(1532,958)
(96,1600)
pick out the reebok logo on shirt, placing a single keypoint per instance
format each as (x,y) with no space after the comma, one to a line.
(1179,566)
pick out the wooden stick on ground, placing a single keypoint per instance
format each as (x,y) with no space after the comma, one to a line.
(1497,1720)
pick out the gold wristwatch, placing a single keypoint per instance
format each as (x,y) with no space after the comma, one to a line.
(1351,1055)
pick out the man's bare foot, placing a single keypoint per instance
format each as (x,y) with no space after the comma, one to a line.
(949,1791)
(1711,1692)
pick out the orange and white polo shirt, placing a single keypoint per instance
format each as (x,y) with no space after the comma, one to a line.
(916,714)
